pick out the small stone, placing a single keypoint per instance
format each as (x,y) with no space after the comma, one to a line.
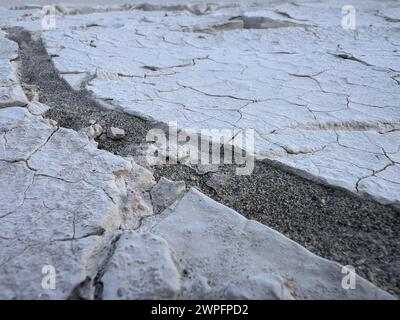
(53,123)
(116,133)
(93,131)
(98,129)
(165,193)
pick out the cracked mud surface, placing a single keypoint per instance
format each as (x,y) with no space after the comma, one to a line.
(99,236)
(322,100)
(329,222)
(72,108)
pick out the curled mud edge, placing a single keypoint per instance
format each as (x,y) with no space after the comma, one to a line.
(329,222)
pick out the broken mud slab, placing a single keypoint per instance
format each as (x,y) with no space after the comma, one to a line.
(329,222)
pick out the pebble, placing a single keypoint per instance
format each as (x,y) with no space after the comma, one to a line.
(116,133)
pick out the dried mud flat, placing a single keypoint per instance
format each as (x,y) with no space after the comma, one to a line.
(328,220)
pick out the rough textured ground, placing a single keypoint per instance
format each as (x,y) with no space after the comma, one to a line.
(308,213)
(329,222)
(89,215)
(72,109)
(322,100)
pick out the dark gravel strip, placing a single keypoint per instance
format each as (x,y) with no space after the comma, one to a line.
(329,222)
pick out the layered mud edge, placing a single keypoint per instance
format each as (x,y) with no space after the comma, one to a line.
(331,222)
